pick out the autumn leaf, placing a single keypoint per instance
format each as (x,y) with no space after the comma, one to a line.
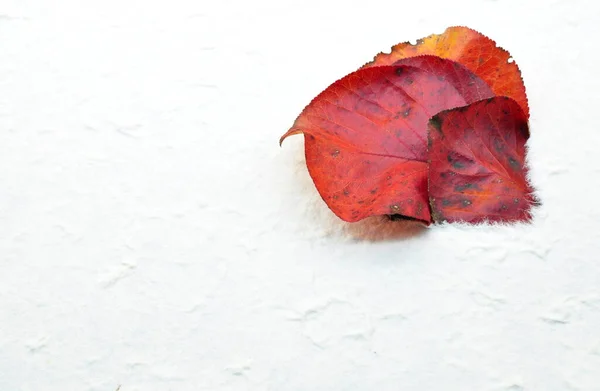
(477,163)
(473,50)
(366,134)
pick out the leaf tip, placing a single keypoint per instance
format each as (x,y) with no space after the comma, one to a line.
(290,132)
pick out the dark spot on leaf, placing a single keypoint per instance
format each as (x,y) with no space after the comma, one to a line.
(446,202)
(406,112)
(455,163)
(498,145)
(458,161)
(513,163)
(504,207)
(516,200)
(346,192)
(465,186)
(409,80)
(399,71)
(395,208)
(373,191)
(524,129)
(335,153)
(466,202)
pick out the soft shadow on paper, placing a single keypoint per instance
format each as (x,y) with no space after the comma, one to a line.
(380,228)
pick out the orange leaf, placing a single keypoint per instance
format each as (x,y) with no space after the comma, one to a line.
(477,170)
(366,135)
(473,50)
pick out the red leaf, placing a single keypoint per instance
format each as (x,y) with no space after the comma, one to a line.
(473,50)
(365,135)
(477,170)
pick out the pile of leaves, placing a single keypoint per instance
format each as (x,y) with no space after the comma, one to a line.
(433,132)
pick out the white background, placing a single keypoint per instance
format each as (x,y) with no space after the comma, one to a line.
(153,235)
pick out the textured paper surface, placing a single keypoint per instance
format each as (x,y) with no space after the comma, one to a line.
(153,235)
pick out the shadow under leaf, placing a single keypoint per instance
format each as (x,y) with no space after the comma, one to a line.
(382,228)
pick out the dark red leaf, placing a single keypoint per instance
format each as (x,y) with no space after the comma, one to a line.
(477,170)
(366,134)
(472,49)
